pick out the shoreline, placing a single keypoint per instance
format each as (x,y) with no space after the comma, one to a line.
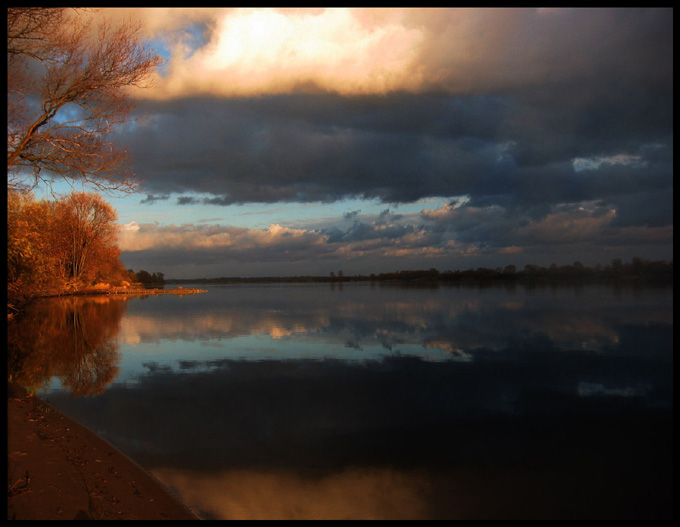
(59,469)
(15,310)
(135,292)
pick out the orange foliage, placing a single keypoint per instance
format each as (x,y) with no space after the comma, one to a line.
(56,246)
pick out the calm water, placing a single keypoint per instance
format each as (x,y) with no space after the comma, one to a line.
(374,401)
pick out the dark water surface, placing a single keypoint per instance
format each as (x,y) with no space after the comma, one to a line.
(374,401)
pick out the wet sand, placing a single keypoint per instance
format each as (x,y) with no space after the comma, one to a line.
(59,470)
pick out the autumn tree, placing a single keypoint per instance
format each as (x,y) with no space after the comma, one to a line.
(53,246)
(68,81)
(85,236)
(31,263)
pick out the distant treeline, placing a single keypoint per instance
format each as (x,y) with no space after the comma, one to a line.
(147,279)
(635,270)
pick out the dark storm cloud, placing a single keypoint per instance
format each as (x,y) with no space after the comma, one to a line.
(327,147)
(244,150)
(150,198)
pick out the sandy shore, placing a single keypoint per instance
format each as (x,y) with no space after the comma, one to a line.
(59,470)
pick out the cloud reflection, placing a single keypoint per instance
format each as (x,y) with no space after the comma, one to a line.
(352,494)
(456,320)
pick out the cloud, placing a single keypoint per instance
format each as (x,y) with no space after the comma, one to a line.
(578,225)
(401,149)
(530,114)
(130,227)
(203,237)
(447,238)
(150,198)
(593,163)
(386,235)
(246,51)
(278,50)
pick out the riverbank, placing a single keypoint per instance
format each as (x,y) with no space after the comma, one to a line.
(59,470)
(137,291)
(13,309)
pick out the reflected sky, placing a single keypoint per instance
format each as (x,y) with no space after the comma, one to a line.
(363,322)
(374,401)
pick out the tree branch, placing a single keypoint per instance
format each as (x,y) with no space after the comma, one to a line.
(77,73)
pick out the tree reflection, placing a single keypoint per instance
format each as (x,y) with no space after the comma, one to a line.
(70,338)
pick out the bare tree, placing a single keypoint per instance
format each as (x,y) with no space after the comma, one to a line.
(67,90)
(27,27)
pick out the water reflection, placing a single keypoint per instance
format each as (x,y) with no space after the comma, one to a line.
(352,494)
(306,401)
(363,322)
(72,339)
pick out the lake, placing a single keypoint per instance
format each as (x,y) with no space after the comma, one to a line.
(374,401)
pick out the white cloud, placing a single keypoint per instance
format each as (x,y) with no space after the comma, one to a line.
(131,227)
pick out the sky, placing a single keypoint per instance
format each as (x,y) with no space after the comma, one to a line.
(284,142)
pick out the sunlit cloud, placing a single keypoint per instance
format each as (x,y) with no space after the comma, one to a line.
(266,50)
(134,237)
(446,212)
(246,51)
(566,226)
(129,227)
